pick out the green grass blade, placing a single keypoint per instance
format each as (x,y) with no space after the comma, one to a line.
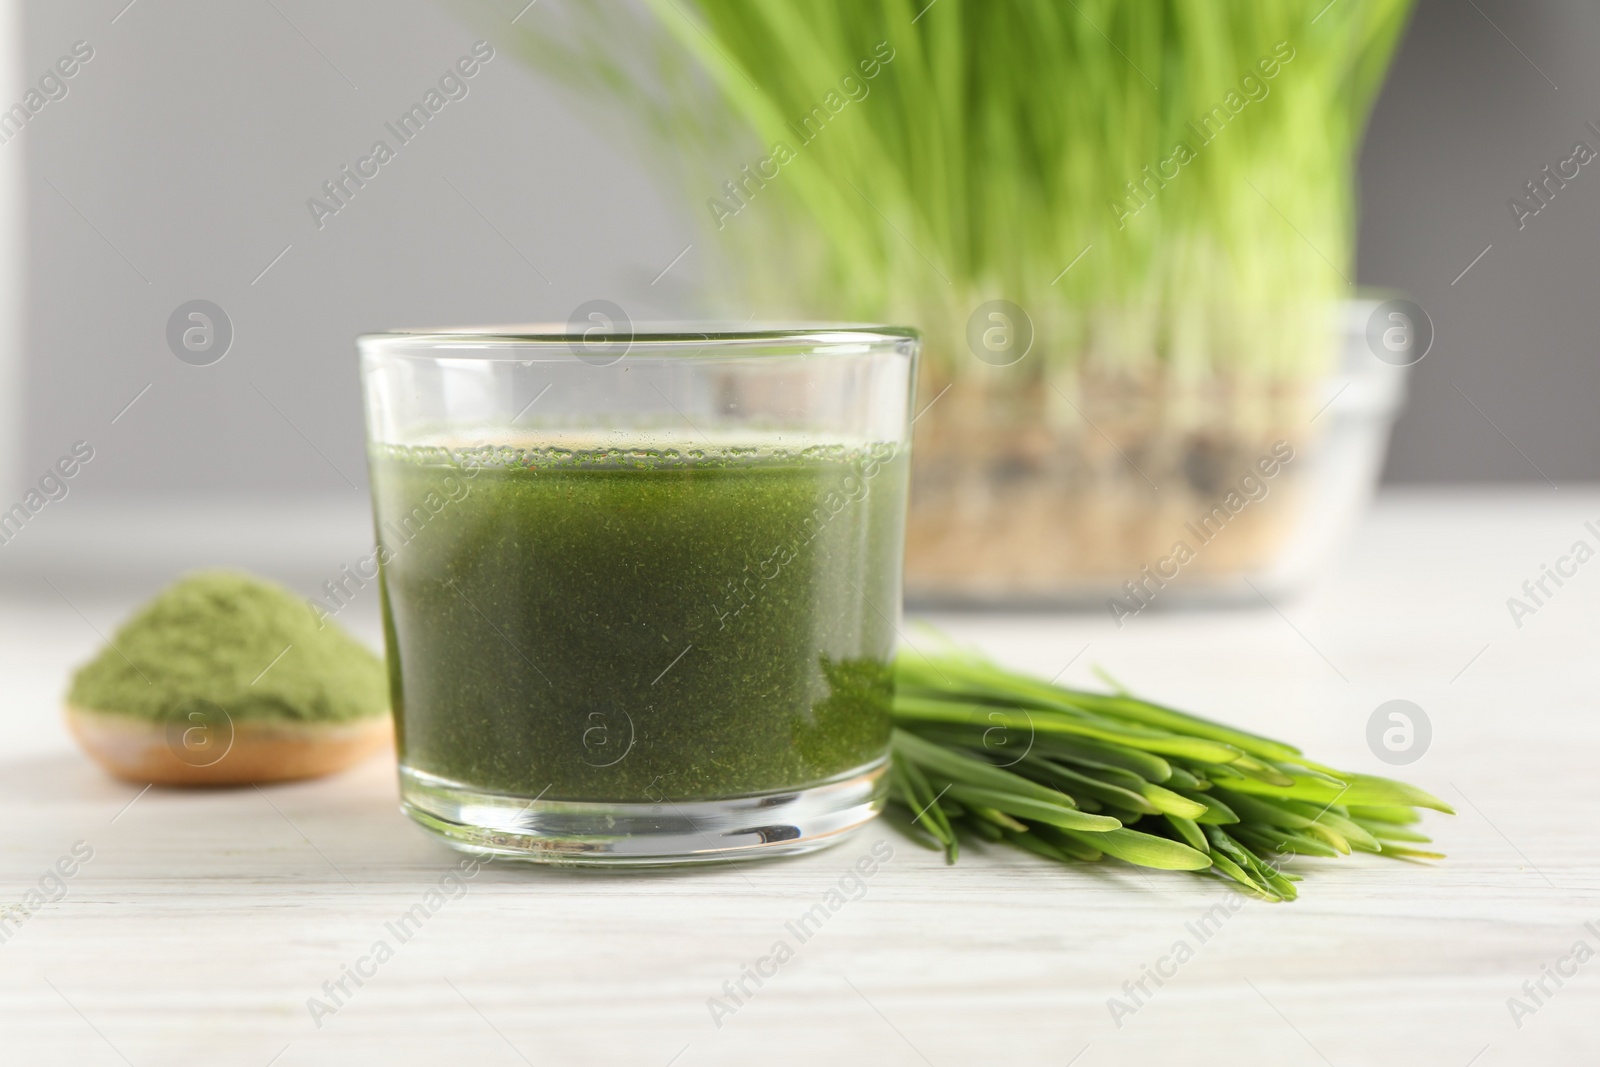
(1182,779)
(1171,803)
(1226,866)
(1346,828)
(1265,875)
(1216,814)
(1145,850)
(1007,687)
(913,711)
(1095,754)
(925,810)
(1272,839)
(995,817)
(1142,711)
(1389,831)
(1362,790)
(1382,813)
(946,765)
(1034,810)
(1410,853)
(1190,832)
(1079,785)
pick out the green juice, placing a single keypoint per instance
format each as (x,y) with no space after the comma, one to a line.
(640,625)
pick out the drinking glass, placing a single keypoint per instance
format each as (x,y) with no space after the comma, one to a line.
(640,588)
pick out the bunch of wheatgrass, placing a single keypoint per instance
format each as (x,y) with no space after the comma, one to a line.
(1197,154)
(1074,775)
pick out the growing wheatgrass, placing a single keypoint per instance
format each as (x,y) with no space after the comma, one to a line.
(1002,140)
(986,753)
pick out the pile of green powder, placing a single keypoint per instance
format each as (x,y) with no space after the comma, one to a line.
(249,647)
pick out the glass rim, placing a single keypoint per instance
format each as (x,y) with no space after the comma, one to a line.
(653,338)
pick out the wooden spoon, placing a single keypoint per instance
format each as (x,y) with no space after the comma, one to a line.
(214,750)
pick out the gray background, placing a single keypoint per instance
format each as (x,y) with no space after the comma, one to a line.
(179,166)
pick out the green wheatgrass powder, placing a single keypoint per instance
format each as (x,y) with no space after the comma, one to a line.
(220,639)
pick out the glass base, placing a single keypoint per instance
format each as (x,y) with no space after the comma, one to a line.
(622,834)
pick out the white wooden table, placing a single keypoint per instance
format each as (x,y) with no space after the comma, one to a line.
(205,921)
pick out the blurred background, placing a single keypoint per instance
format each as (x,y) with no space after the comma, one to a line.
(178,166)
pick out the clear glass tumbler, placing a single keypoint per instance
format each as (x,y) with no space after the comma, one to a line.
(640,589)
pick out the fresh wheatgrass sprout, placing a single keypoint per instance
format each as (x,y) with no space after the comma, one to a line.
(906,160)
(985,752)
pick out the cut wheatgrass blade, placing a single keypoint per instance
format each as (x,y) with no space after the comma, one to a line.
(1279,882)
(1082,750)
(1389,831)
(1223,864)
(1104,773)
(1381,813)
(1360,790)
(1246,768)
(958,767)
(924,803)
(1145,850)
(1245,875)
(951,809)
(1099,772)
(1222,843)
(1295,771)
(1080,785)
(991,679)
(1251,767)
(1070,775)
(1217,813)
(1170,803)
(1410,853)
(1036,810)
(911,711)
(1347,828)
(1112,727)
(1266,874)
(1145,799)
(1182,779)
(1190,832)
(987,678)
(1134,710)
(1255,809)
(930,805)
(1272,839)
(998,819)
(1268,813)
